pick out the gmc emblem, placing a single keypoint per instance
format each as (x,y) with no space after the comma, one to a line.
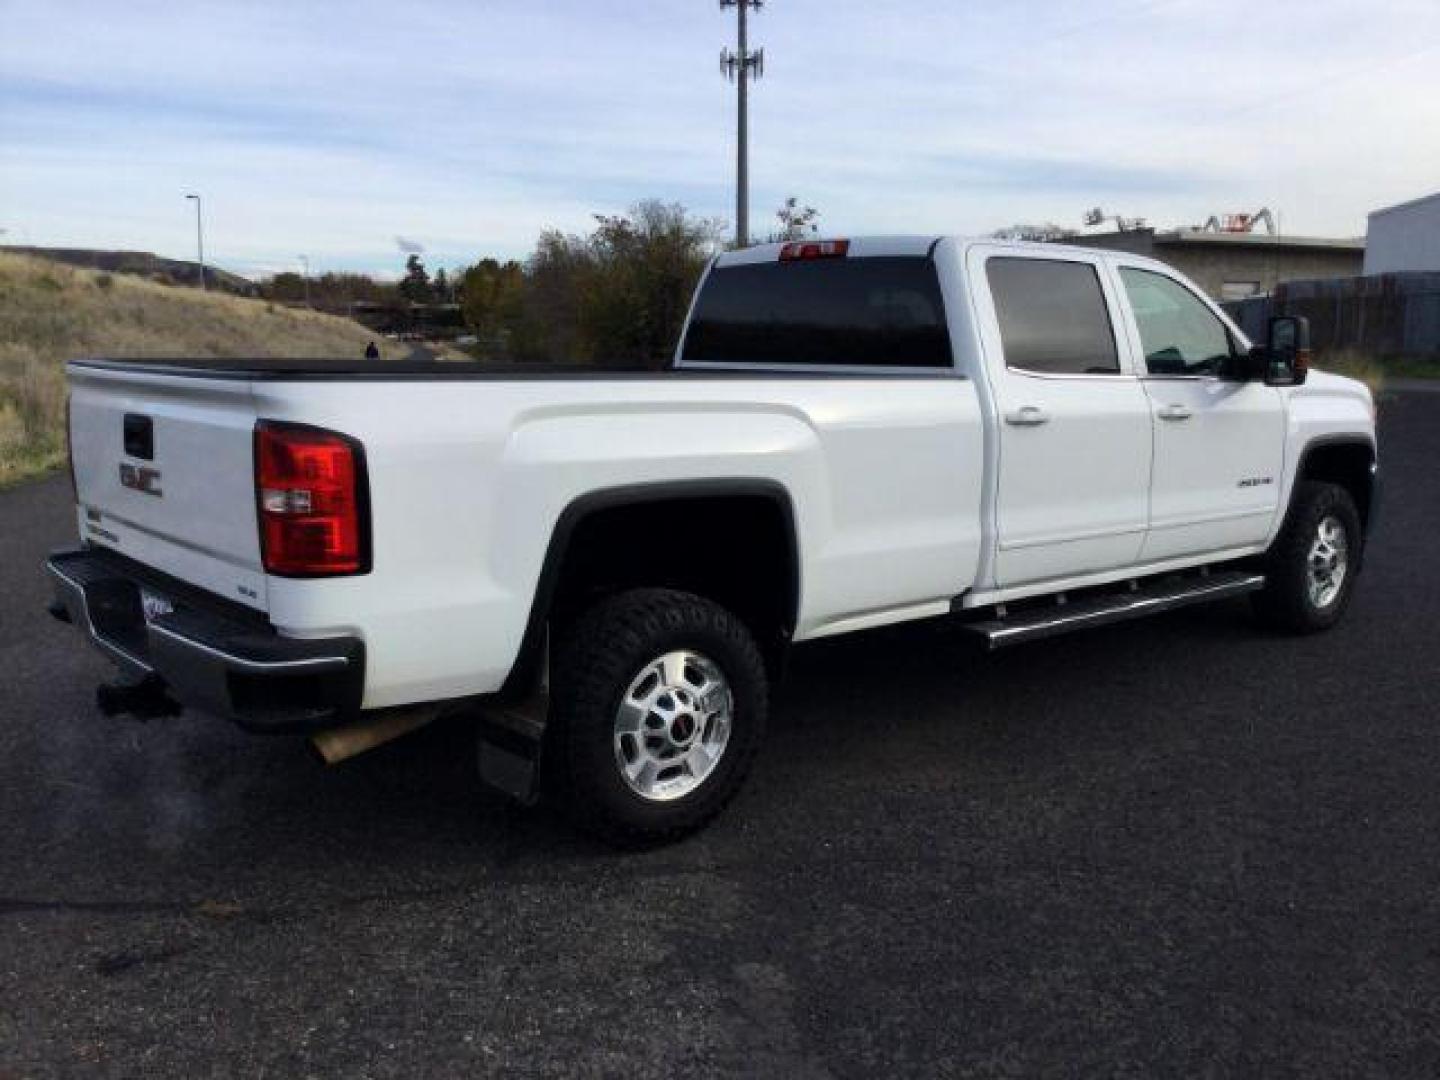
(140,478)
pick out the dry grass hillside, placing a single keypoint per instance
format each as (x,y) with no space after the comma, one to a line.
(50,313)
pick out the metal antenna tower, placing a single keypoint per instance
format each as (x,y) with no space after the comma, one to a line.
(741,66)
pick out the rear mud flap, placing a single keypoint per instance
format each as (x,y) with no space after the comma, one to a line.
(509,745)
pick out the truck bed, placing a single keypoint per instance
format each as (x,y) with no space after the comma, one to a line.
(469,469)
(309,368)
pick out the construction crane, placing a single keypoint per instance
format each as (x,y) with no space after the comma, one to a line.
(1240,223)
(1097,216)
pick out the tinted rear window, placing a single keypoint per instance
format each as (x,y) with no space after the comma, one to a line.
(1052,317)
(875,312)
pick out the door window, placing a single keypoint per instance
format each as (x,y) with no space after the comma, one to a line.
(1178,333)
(1053,318)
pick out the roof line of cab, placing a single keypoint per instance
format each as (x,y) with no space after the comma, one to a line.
(860,247)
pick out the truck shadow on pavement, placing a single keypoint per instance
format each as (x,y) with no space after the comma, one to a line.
(909,705)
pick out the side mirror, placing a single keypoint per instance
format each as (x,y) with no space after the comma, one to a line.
(1287,352)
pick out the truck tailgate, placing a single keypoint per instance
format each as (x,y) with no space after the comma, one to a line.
(164,474)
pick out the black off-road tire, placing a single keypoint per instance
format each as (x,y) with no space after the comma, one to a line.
(1286,602)
(595,661)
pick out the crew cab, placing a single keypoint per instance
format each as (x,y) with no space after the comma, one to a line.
(607,569)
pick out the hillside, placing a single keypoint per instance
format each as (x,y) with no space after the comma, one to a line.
(50,313)
(143,263)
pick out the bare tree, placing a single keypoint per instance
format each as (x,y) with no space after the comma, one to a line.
(796,222)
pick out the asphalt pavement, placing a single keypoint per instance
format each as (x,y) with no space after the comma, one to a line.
(1177,847)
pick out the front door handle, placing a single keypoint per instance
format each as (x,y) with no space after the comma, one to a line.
(1175,412)
(1027,416)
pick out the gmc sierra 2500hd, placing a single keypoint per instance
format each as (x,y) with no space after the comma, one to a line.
(1025,438)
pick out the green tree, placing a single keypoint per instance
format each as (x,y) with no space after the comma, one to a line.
(492,303)
(287,286)
(336,292)
(616,296)
(330,291)
(415,285)
(643,267)
(556,277)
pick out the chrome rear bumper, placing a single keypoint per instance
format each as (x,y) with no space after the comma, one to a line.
(209,655)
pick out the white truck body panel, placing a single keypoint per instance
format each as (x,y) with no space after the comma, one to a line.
(201,527)
(1209,435)
(1074,487)
(1328,407)
(468,480)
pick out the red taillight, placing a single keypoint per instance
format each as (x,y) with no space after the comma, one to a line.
(310,491)
(814,249)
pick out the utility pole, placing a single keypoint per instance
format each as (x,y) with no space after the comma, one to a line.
(305,263)
(199,239)
(740,67)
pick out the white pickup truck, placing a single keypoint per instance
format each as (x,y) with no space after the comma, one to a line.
(610,567)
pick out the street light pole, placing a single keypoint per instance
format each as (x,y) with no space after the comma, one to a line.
(305,263)
(199,239)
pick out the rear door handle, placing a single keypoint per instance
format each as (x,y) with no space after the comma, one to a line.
(1027,416)
(1175,412)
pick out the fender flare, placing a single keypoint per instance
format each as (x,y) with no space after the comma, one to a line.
(526,670)
(1325,442)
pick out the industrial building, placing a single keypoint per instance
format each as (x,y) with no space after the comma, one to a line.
(1404,238)
(1230,264)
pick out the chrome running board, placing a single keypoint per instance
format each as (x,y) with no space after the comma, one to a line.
(1144,599)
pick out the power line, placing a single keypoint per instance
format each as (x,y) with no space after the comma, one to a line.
(740,67)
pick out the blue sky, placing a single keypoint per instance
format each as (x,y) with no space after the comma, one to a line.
(467,127)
